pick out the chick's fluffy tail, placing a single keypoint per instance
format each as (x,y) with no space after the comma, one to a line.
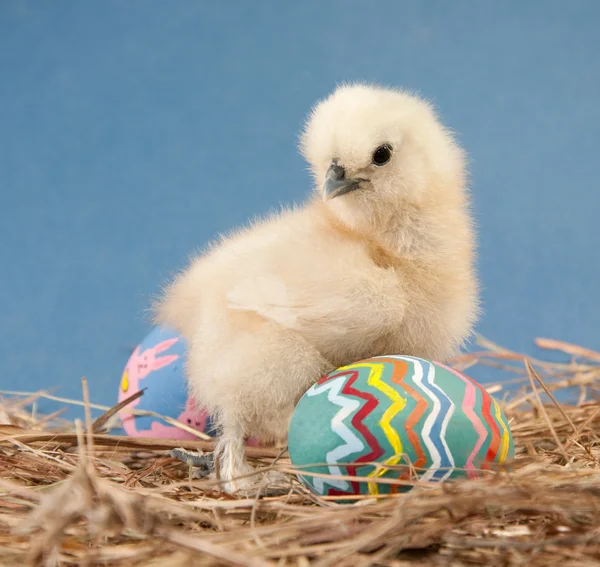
(177,306)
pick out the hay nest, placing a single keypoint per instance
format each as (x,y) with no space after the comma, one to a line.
(77,496)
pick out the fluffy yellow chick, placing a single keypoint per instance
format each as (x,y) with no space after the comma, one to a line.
(380,260)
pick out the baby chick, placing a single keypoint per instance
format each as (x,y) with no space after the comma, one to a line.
(380,260)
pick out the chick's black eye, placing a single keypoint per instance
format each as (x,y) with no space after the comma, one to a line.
(382,155)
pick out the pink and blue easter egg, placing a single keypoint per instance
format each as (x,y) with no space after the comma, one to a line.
(157,365)
(416,419)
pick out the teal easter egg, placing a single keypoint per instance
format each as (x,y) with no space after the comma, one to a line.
(420,420)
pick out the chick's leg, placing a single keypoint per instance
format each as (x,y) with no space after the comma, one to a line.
(230,459)
(250,376)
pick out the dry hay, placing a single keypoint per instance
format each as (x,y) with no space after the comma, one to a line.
(105,500)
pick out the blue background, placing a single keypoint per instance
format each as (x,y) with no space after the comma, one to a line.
(132,132)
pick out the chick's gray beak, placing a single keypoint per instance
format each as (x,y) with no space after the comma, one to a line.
(336,183)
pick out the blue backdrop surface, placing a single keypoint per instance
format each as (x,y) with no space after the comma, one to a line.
(132,132)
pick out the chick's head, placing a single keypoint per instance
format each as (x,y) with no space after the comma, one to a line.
(373,151)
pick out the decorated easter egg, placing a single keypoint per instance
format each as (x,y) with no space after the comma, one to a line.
(157,365)
(418,420)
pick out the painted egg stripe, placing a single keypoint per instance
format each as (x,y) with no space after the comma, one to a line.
(436,458)
(328,378)
(352,443)
(398,404)
(500,445)
(432,429)
(447,467)
(413,419)
(357,419)
(374,380)
(467,407)
(444,408)
(505,441)
(398,374)
(436,430)
(495,443)
(487,414)
(357,422)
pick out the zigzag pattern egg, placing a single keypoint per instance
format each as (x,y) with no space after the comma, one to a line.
(424,419)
